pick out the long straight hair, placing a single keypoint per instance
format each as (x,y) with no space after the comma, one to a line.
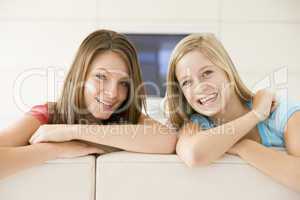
(70,107)
(177,107)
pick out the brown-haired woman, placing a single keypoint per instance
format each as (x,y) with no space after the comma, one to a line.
(101,105)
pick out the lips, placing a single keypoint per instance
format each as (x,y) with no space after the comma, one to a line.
(208,99)
(106,105)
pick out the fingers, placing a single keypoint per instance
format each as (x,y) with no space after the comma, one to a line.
(274,106)
(275,103)
(270,94)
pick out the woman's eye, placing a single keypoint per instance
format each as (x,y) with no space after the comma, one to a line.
(185,83)
(124,83)
(207,73)
(101,76)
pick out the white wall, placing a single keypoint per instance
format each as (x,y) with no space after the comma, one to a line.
(262,36)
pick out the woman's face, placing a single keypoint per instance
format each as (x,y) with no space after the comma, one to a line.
(205,86)
(107,84)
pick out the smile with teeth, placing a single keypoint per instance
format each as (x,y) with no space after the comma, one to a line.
(208,99)
(106,105)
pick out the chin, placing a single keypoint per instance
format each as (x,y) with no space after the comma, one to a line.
(209,112)
(102,116)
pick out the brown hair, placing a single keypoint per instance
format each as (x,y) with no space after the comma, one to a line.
(70,107)
(177,108)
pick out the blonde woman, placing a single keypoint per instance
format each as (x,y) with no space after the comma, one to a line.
(216,113)
(100,107)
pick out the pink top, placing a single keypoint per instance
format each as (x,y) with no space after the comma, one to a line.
(40,112)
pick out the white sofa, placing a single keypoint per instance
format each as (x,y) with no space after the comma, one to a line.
(133,176)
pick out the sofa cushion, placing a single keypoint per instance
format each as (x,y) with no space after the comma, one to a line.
(65,179)
(134,176)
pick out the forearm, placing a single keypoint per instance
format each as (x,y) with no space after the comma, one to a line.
(137,138)
(209,145)
(280,166)
(14,159)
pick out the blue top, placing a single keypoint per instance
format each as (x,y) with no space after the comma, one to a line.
(271,130)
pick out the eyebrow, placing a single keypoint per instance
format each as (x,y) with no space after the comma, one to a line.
(200,70)
(205,67)
(103,69)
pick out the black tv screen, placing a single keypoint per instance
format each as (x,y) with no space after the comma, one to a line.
(154,51)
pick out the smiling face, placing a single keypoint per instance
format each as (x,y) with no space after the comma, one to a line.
(205,86)
(106,85)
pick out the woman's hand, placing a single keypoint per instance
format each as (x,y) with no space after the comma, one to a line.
(238,147)
(264,102)
(73,149)
(234,150)
(50,133)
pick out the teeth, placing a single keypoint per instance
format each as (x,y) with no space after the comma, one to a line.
(203,100)
(99,101)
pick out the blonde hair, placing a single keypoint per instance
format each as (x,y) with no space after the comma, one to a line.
(68,109)
(177,108)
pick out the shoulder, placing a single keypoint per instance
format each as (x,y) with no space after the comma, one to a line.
(292,136)
(287,106)
(39,108)
(41,111)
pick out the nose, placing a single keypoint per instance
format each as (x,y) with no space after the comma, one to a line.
(111,90)
(203,87)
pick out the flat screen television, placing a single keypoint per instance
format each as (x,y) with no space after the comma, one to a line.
(154,52)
